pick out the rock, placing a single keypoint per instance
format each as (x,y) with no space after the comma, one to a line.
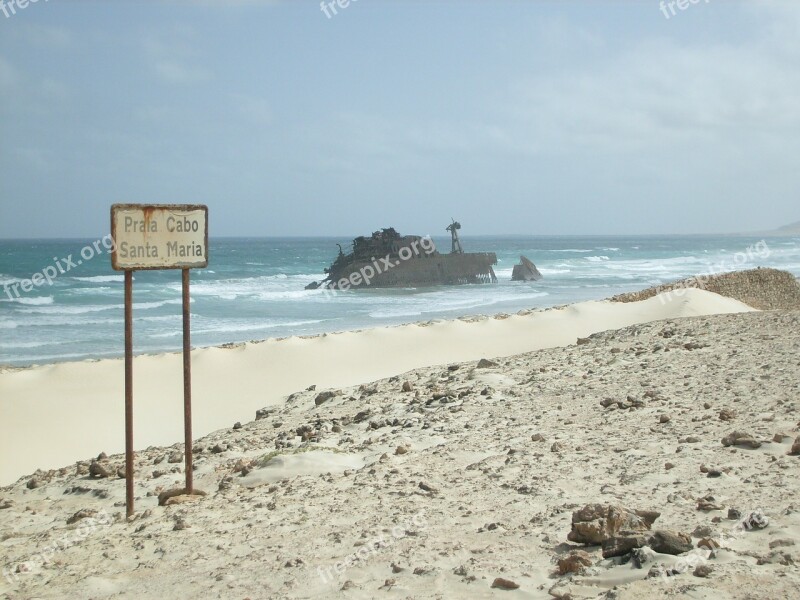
(237,425)
(218,449)
(755,520)
(84,513)
(537,437)
(702,531)
(708,503)
(323,397)
(401,450)
(623,544)
(783,543)
(407,387)
(175,457)
(180,524)
(727,414)
(6,503)
(167,494)
(779,438)
(583,341)
(642,556)
(427,488)
(485,364)
(504,584)
(98,470)
(597,522)
(795,451)
(702,570)
(734,514)
(740,438)
(557,447)
(574,562)
(664,419)
(670,542)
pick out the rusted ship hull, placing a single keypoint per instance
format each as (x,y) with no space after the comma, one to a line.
(388,259)
(435,269)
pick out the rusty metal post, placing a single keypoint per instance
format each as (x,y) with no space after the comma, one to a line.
(129,392)
(187,384)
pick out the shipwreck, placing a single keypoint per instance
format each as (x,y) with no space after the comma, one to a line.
(388,259)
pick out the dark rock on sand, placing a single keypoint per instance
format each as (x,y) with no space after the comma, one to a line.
(740,438)
(623,544)
(597,522)
(670,542)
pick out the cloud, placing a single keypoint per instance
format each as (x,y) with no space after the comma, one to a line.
(253,108)
(8,76)
(174,56)
(175,72)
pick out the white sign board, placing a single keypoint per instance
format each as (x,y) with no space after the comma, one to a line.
(159,236)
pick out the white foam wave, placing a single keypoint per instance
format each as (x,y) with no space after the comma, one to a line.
(35,301)
(597,258)
(102,278)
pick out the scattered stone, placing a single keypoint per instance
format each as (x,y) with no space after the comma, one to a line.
(583,341)
(755,520)
(166,495)
(323,397)
(348,585)
(397,568)
(574,562)
(669,466)
(702,570)
(180,524)
(783,543)
(779,438)
(597,522)
(557,447)
(84,513)
(461,571)
(727,414)
(664,419)
(407,387)
(218,449)
(708,503)
(98,470)
(486,364)
(504,584)
(427,488)
(237,425)
(537,437)
(734,514)
(740,438)
(175,457)
(642,556)
(6,503)
(795,451)
(401,450)
(670,542)
(620,545)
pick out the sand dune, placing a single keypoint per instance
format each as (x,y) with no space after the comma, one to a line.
(56,414)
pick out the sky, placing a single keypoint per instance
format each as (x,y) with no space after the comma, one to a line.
(514,117)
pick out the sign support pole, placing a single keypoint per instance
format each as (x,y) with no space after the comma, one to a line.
(187,384)
(129,392)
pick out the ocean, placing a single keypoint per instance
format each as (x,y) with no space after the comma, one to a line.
(253,288)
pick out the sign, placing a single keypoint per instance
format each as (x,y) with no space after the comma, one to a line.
(159,236)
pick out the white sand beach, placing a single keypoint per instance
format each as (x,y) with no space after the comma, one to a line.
(53,415)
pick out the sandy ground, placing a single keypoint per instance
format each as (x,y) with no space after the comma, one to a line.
(56,414)
(437,482)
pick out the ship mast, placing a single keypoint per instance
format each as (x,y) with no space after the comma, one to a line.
(453,229)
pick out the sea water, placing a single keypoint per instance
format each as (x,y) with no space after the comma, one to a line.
(253,289)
